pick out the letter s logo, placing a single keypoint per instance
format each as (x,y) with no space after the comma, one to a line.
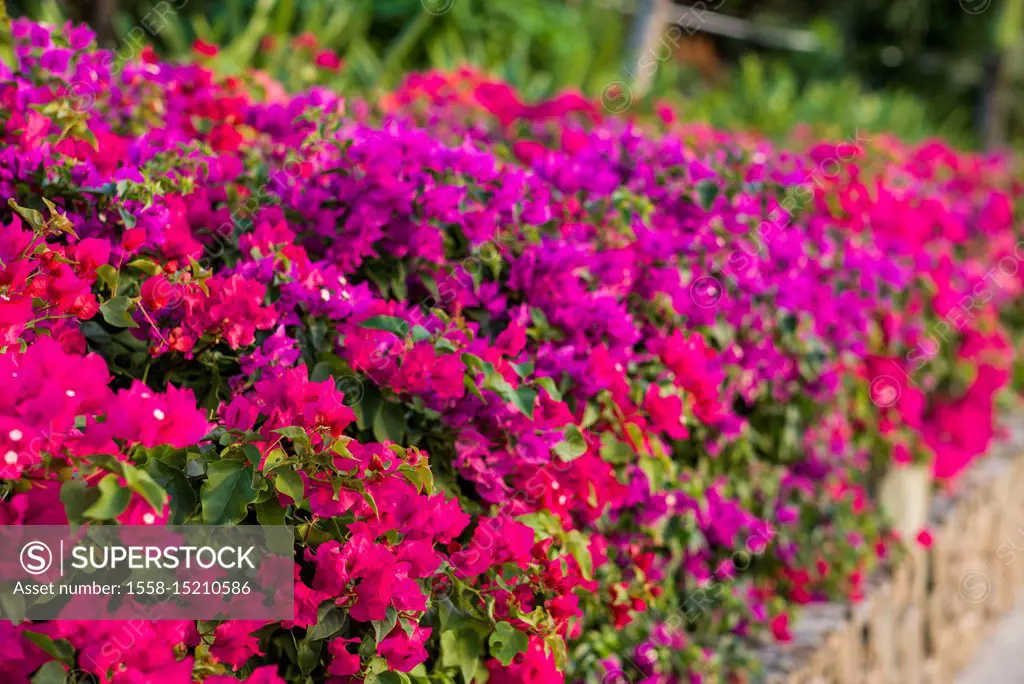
(36,558)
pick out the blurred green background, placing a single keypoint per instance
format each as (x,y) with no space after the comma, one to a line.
(915,68)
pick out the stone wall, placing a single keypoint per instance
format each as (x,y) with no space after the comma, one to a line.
(923,619)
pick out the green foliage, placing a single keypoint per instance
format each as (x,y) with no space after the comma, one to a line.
(506,642)
(769,98)
(543,46)
(538,45)
(227,493)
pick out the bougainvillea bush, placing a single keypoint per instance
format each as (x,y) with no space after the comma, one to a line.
(547,394)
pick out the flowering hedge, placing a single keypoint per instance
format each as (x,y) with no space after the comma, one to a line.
(548,395)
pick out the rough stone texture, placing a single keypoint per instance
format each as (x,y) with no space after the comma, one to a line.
(924,620)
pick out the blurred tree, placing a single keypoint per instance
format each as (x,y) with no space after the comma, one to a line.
(1003,88)
(953,53)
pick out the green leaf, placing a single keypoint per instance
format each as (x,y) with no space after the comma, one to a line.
(32,217)
(445,345)
(107,275)
(115,312)
(523,370)
(329,621)
(462,648)
(146,266)
(227,493)
(375,667)
(366,410)
(473,362)
(389,423)
(381,628)
(521,397)
(289,483)
(12,607)
(113,500)
(51,673)
(309,655)
(539,318)
(419,333)
(59,221)
(580,549)
(707,191)
(126,218)
(299,438)
(371,502)
(544,523)
(614,451)
(556,646)
(506,642)
(548,384)
(471,386)
(320,372)
(270,513)
(60,649)
(524,400)
(420,476)
(393,678)
(340,448)
(140,482)
(572,446)
(252,453)
(387,323)
(77,497)
(276,459)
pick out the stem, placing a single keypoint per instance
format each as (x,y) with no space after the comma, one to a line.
(152,323)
